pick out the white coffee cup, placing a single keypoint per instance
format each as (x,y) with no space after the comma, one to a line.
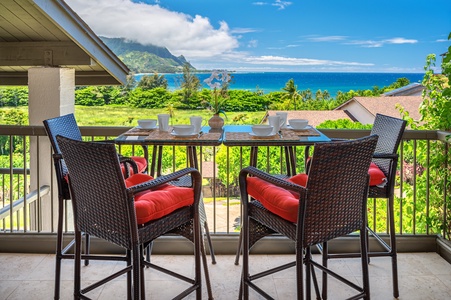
(196,122)
(283,116)
(163,122)
(276,122)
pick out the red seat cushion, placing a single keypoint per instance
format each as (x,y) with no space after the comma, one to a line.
(155,204)
(377,177)
(285,203)
(275,199)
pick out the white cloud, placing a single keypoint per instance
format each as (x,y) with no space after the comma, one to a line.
(400,40)
(376,44)
(332,38)
(292,61)
(281,4)
(252,44)
(243,30)
(278,3)
(182,34)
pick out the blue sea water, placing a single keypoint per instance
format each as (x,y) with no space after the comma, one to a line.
(275,81)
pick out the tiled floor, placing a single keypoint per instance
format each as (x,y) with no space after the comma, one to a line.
(30,276)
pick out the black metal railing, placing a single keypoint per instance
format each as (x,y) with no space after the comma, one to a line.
(28,204)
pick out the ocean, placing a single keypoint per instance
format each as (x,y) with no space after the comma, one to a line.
(275,81)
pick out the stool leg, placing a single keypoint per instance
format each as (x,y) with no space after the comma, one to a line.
(59,246)
(210,244)
(238,250)
(87,247)
(393,252)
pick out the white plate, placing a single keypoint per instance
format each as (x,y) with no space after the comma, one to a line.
(305,128)
(184,135)
(253,134)
(139,127)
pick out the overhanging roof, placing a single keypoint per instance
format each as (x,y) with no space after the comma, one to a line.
(36,33)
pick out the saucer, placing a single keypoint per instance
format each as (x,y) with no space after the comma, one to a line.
(184,135)
(305,128)
(139,127)
(253,134)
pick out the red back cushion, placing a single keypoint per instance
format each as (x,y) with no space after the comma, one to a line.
(137,179)
(299,179)
(377,177)
(141,163)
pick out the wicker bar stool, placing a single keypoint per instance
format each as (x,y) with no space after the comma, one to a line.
(129,217)
(332,204)
(67,126)
(385,157)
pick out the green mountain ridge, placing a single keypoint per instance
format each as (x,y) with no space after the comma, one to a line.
(145,58)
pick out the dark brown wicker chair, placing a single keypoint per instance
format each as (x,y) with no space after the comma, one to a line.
(332,204)
(67,126)
(105,208)
(390,131)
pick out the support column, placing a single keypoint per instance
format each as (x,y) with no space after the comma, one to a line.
(51,94)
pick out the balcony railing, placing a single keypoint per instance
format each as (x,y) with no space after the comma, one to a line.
(422,192)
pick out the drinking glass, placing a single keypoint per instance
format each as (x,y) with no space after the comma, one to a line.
(163,122)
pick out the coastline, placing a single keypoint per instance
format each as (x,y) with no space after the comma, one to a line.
(333,82)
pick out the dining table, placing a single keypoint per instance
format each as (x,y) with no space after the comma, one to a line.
(286,137)
(158,139)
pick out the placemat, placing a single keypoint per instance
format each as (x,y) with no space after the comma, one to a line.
(310,131)
(240,136)
(139,131)
(163,135)
(287,135)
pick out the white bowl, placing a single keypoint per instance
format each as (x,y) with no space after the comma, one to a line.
(262,130)
(147,123)
(183,129)
(298,123)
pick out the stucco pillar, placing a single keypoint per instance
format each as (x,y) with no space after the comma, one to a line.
(51,94)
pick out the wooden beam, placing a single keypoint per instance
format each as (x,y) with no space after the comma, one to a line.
(42,54)
(81,78)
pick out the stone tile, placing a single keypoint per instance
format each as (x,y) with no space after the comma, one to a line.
(31,276)
(7,287)
(17,267)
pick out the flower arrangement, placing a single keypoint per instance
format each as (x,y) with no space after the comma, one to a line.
(219,81)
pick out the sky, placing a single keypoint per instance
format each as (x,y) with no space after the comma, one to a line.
(393,36)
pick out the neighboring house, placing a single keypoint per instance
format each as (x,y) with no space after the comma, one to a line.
(413,89)
(364,109)
(315,117)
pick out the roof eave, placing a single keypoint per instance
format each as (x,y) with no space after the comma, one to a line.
(80,33)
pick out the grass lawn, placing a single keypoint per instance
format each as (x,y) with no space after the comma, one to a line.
(128,116)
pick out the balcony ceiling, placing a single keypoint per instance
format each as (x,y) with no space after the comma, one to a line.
(42,33)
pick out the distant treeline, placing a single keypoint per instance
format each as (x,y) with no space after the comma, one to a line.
(152,92)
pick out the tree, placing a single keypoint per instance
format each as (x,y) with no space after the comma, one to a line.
(319,95)
(306,95)
(190,83)
(148,82)
(291,93)
(436,112)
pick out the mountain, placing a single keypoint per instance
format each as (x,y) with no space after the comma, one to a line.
(145,58)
